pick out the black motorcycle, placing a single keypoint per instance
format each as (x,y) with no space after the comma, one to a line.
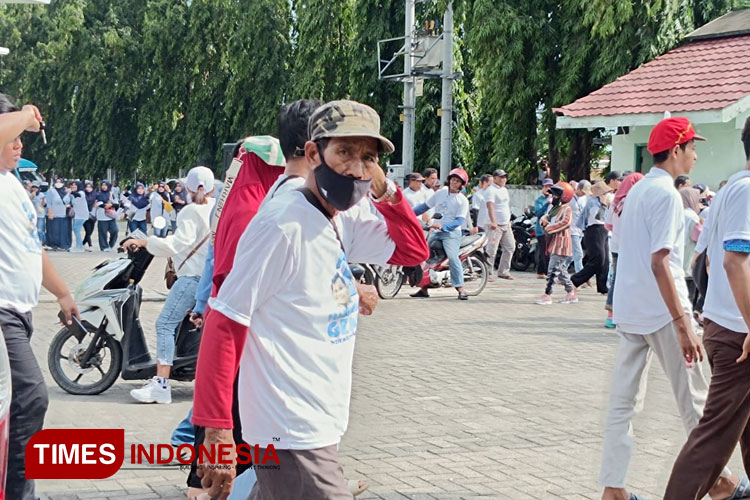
(523,233)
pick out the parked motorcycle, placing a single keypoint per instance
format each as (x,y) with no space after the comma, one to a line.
(88,356)
(435,272)
(386,279)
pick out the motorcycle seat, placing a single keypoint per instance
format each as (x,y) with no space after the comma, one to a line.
(469,240)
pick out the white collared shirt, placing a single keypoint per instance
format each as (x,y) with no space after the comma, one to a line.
(652,220)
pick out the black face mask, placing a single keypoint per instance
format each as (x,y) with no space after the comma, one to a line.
(339,190)
(555,201)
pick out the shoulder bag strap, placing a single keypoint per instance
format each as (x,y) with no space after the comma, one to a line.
(192,252)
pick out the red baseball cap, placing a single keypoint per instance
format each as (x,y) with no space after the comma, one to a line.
(671,132)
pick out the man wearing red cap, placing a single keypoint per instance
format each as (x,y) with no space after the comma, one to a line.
(726,419)
(651,306)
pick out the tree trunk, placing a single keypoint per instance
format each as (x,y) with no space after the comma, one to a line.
(577,165)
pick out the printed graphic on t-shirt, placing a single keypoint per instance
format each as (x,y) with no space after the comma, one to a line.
(342,325)
(31,243)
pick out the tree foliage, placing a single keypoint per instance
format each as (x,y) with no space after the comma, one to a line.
(151,87)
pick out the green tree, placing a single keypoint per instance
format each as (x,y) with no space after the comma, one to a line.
(536,55)
(321,62)
(364,86)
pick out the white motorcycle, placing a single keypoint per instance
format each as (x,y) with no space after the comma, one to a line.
(88,356)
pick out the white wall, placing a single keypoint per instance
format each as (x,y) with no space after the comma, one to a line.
(521,197)
(718,158)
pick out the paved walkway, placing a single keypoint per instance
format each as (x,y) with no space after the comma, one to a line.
(494,398)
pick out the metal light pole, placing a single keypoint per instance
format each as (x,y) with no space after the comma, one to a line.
(447,104)
(410,95)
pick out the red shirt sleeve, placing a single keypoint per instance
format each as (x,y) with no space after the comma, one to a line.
(219,356)
(405,230)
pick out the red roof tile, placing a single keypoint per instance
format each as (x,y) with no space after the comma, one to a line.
(699,76)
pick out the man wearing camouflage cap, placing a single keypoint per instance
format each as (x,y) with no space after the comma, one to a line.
(289,307)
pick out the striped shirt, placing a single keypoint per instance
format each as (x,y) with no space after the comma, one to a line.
(559,241)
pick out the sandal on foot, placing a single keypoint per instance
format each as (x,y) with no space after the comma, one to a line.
(742,490)
(357,486)
(463,296)
(420,294)
(633,496)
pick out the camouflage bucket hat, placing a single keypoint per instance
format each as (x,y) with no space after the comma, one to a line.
(347,119)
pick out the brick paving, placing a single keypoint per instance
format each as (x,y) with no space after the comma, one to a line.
(494,398)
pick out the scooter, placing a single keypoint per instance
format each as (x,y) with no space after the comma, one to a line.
(88,356)
(435,272)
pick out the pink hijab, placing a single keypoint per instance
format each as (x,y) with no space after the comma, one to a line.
(622,191)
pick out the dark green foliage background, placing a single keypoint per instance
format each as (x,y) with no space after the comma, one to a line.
(149,87)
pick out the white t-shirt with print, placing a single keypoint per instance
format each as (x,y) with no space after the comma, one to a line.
(20,248)
(450,206)
(732,220)
(501,198)
(292,286)
(652,220)
(415,198)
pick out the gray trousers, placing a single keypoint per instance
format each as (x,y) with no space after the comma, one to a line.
(558,268)
(503,237)
(28,404)
(302,475)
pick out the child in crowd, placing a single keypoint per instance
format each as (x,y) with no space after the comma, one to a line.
(556,224)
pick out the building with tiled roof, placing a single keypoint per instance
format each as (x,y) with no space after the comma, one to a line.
(707,79)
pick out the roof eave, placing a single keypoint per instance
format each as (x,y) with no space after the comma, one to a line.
(722,115)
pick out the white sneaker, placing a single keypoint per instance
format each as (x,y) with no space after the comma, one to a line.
(153,392)
(88,248)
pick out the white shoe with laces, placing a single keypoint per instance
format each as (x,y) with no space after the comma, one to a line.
(153,392)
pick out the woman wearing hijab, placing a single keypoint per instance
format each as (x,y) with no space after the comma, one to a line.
(613,224)
(81,212)
(106,217)
(693,226)
(139,204)
(59,225)
(88,226)
(595,239)
(180,198)
(161,205)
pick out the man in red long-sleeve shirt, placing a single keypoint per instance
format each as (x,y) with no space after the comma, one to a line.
(289,309)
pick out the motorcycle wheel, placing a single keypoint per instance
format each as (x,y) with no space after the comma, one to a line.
(66,370)
(476,273)
(521,260)
(389,281)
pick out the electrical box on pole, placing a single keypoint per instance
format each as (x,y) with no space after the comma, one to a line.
(409,60)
